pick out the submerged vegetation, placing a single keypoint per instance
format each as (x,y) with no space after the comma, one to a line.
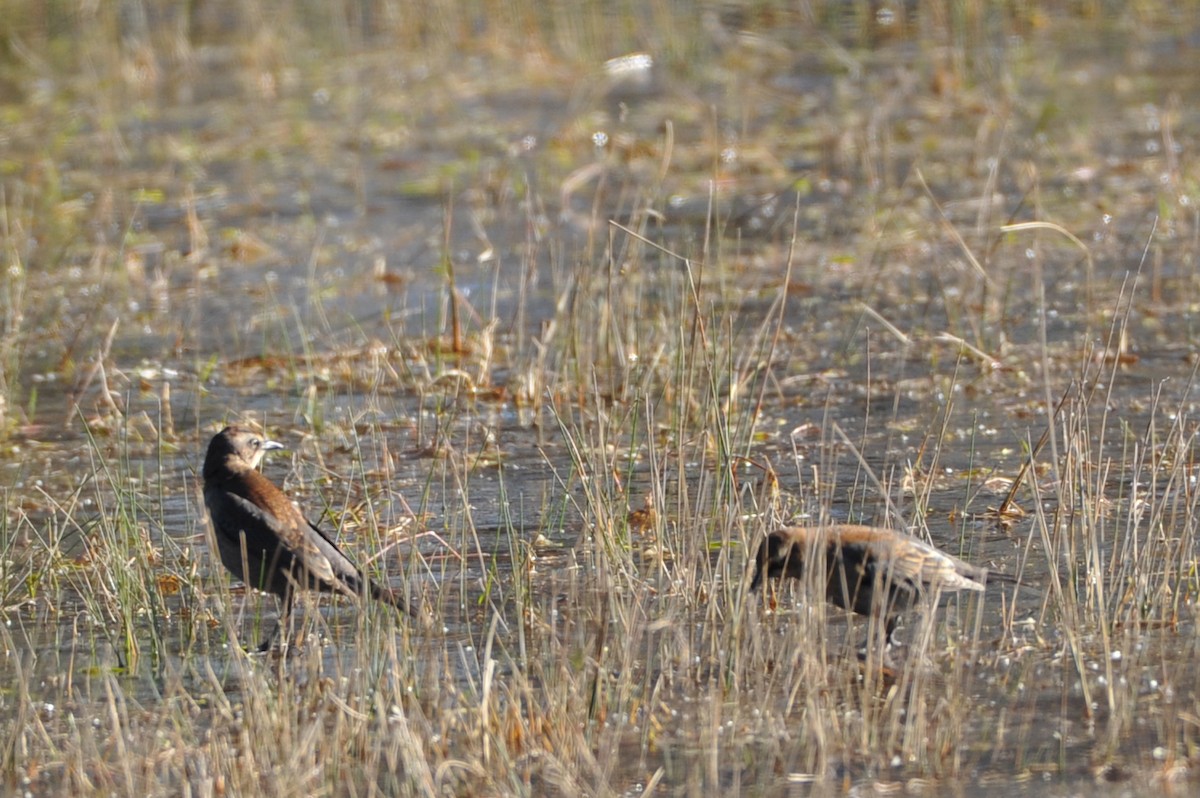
(560,310)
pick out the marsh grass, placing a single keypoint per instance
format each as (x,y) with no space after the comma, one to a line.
(12,303)
(1121,556)
(571,503)
(633,656)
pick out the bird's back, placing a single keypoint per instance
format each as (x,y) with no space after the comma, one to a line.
(893,555)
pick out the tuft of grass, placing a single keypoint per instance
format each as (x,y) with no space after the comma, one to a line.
(564,449)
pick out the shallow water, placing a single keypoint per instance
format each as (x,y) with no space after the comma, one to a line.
(267,241)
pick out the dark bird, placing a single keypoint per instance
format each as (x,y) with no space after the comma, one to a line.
(264,539)
(860,561)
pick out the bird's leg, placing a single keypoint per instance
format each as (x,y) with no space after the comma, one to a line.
(285,616)
(890,640)
(265,645)
(890,629)
(883,659)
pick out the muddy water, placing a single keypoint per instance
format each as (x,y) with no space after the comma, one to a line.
(273,240)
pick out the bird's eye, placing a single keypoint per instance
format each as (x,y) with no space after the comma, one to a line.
(255,443)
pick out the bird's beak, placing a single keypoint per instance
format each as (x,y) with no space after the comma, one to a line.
(270,446)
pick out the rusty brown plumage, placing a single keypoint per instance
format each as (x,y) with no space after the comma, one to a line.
(861,560)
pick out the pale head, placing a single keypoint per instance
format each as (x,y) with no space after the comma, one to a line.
(236,449)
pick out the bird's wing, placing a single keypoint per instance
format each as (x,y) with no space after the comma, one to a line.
(940,570)
(287,524)
(341,572)
(238,515)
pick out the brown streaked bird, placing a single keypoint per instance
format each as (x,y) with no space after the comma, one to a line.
(264,539)
(859,560)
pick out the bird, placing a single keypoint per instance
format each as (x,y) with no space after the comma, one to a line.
(264,539)
(862,560)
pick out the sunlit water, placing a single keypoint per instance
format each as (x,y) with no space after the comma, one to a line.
(297,275)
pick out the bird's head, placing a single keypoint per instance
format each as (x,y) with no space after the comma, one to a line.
(777,555)
(236,449)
